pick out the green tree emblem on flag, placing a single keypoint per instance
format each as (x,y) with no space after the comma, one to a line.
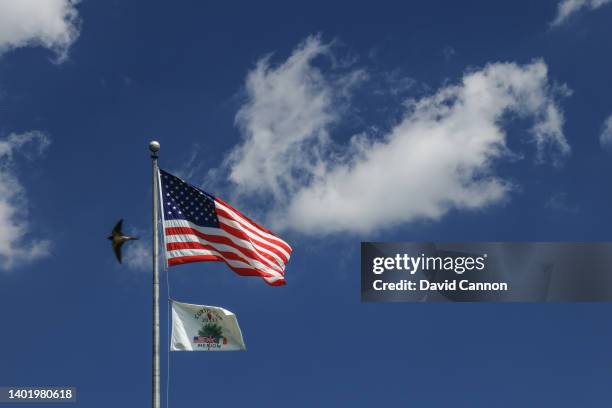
(211,330)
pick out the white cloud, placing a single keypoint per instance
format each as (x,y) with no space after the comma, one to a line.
(286,120)
(440,156)
(15,246)
(137,255)
(53,24)
(567,8)
(606,134)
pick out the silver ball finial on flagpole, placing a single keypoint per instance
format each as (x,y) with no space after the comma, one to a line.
(154,146)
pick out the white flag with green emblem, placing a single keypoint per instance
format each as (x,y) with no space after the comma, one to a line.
(204,328)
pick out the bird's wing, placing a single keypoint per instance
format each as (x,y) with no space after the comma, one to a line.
(117,249)
(118,227)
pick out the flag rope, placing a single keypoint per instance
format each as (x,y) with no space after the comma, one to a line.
(168,317)
(168,353)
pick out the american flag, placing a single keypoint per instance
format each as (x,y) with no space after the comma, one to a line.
(200,227)
(204,340)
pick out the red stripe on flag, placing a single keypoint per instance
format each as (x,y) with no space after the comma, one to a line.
(194,258)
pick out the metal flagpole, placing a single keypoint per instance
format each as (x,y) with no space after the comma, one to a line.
(154,147)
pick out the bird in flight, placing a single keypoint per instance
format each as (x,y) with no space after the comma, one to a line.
(117,239)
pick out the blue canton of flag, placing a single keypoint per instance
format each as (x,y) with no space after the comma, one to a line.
(184,202)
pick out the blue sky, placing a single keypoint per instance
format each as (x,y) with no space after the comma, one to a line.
(332,124)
